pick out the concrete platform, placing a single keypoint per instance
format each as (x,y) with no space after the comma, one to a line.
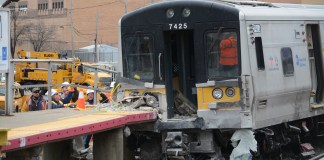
(32,128)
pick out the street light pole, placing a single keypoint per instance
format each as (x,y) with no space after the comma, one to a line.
(72,30)
(96,42)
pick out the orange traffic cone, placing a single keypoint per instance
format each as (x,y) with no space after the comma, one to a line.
(81,101)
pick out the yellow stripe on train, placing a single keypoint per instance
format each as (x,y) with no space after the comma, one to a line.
(205,96)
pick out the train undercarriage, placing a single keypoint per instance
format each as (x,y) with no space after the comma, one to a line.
(296,140)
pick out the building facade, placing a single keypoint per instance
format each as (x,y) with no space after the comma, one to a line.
(94,21)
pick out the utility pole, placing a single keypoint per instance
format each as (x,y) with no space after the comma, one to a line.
(72,30)
(126,6)
(96,41)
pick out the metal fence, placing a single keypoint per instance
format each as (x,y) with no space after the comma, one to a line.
(9,78)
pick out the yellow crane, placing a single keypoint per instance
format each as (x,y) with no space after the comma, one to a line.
(30,73)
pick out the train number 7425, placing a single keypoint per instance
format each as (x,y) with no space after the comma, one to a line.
(178,26)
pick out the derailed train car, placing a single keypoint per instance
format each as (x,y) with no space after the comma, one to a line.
(266,82)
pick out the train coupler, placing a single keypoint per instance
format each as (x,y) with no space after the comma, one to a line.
(176,144)
(200,143)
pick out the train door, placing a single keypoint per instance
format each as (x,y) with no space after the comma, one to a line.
(316,64)
(179,71)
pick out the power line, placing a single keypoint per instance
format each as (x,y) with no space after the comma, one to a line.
(83,33)
(97,5)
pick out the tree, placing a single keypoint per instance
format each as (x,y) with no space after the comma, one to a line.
(17,31)
(40,35)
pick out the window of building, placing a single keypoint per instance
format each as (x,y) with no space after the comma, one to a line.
(12,8)
(23,7)
(58,5)
(43,6)
(287,61)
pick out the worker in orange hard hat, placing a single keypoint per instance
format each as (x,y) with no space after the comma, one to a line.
(228,50)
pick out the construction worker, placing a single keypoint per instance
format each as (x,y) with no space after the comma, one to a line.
(64,89)
(35,102)
(56,100)
(114,86)
(90,94)
(89,101)
(228,51)
(110,94)
(66,92)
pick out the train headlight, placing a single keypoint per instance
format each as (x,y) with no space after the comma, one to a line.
(230,92)
(217,93)
(186,12)
(170,13)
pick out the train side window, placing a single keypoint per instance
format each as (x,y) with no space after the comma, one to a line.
(259,53)
(287,61)
(0,27)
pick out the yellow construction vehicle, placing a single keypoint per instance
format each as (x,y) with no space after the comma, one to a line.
(22,69)
(30,73)
(19,97)
(37,55)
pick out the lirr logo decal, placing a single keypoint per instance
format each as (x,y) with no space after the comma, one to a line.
(300,61)
(273,63)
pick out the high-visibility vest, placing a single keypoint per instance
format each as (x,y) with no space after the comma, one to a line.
(53,102)
(26,106)
(228,52)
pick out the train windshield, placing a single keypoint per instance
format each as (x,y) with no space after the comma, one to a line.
(222,56)
(139,57)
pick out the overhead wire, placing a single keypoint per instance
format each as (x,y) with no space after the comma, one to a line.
(97,5)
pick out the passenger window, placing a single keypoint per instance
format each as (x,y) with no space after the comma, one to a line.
(287,61)
(0,27)
(259,53)
(222,56)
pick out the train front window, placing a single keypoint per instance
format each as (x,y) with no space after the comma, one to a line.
(222,54)
(139,57)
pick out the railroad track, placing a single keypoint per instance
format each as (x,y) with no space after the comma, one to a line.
(318,157)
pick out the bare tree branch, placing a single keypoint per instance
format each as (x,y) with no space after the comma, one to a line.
(17,31)
(39,35)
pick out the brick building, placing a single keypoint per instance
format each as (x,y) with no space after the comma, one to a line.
(56,14)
